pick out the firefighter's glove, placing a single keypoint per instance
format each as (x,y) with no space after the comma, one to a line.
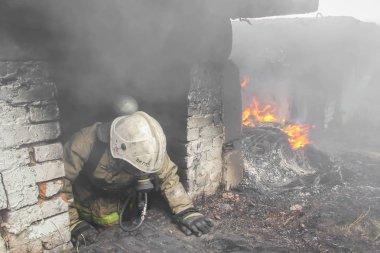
(83,233)
(190,221)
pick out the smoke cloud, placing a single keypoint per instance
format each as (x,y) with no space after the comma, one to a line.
(99,50)
(320,71)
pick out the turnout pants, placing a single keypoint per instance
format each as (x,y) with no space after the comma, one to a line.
(95,205)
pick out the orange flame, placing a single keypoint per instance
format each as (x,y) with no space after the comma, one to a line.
(297,134)
(256,113)
(265,114)
(245,118)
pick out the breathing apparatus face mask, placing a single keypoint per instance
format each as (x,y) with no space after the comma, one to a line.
(129,168)
(144,180)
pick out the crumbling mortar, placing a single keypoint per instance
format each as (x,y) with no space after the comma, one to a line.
(31,157)
(28,145)
(34,184)
(45,198)
(20,83)
(54,117)
(43,122)
(5,212)
(29,86)
(42,103)
(15,87)
(33,160)
(6,193)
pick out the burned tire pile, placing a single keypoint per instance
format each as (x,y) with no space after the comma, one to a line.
(271,163)
(307,200)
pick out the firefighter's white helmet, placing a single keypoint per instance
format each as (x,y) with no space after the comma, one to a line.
(138,139)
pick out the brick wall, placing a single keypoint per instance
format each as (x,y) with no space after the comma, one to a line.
(33,214)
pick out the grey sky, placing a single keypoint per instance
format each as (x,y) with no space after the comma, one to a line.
(366,10)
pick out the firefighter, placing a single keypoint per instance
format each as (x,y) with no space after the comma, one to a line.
(103,162)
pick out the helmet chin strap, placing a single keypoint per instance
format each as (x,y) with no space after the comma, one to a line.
(144,185)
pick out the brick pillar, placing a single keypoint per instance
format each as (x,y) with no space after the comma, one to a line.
(33,213)
(205,130)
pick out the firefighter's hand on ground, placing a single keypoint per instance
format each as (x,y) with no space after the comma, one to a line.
(83,233)
(191,221)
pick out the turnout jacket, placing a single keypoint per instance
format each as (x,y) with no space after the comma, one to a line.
(109,175)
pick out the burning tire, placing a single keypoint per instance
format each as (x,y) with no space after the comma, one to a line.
(270,162)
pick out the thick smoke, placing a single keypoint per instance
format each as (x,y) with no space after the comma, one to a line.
(100,50)
(326,69)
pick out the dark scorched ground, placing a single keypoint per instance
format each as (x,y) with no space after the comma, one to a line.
(336,208)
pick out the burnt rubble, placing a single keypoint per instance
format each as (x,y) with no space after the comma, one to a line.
(335,208)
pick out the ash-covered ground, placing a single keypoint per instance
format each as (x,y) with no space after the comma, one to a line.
(324,198)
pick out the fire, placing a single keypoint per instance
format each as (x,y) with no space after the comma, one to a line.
(298,135)
(245,118)
(254,113)
(266,114)
(257,113)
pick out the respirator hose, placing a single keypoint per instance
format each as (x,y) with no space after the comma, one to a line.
(142,216)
